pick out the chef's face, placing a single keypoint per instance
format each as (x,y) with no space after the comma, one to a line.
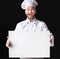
(30,12)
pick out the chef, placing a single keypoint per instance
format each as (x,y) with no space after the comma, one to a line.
(31,23)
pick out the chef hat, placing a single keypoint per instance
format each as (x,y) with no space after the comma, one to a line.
(27,3)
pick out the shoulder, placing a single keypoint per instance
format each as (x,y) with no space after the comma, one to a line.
(40,22)
(20,23)
(19,26)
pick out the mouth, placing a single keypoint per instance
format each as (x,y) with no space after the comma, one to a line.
(30,14)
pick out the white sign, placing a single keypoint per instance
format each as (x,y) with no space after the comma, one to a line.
(29,44)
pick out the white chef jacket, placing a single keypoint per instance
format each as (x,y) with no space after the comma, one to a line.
(35,25)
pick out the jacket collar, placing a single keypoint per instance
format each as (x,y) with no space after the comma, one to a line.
(33,21)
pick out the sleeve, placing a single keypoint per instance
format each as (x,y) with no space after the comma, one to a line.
(18,27)
(45,28)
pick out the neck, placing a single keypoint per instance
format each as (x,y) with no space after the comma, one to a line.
(31,19)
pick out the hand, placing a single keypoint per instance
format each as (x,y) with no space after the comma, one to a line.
(51,41)
(8,43)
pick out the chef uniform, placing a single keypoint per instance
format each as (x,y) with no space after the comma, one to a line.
(35,25)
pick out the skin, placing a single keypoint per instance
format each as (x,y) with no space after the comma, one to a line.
(30,12)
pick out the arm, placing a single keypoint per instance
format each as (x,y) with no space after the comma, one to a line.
(45,28)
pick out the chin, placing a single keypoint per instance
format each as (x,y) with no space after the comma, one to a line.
(30,17)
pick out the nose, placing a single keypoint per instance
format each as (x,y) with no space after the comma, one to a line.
(30,11)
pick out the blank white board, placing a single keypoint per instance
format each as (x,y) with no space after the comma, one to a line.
(33,44)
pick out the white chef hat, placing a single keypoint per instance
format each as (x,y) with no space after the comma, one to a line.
(27,3)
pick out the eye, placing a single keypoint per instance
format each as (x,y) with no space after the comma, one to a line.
(27,9)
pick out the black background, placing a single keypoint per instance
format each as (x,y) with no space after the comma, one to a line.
(11,13)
